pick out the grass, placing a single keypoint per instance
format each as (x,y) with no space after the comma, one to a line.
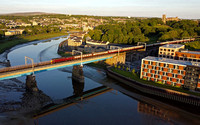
(7,44)
(136,78)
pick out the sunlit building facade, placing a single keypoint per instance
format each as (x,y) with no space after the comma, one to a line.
(169,50)
(172,72)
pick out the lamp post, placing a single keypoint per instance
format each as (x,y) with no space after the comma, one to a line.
(81,55)
(32,62)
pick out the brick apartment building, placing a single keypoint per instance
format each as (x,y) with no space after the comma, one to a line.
(171,72)
(188,55)
(178,52)
(169,50)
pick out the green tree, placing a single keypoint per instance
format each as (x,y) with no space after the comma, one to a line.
(185,34)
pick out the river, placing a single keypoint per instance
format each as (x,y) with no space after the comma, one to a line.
(120,106)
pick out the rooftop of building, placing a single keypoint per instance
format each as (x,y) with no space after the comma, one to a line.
(91,41)
(173,46)
(172,61)
(191,52)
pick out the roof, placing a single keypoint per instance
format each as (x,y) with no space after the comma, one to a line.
(173,46)
(191,52)
(172,61)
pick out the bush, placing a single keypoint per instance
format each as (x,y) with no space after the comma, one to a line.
(144,78)
(133,71)
(119,67)
(159,82)
(127,68)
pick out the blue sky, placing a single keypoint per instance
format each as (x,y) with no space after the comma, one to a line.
(136,8)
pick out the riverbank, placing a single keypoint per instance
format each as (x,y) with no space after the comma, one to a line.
(7,44)
(171,93)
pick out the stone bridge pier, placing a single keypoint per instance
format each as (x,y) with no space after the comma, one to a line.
(119,58)
(77,74)
(31,84)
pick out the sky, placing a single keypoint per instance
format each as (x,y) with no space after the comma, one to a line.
(187,9)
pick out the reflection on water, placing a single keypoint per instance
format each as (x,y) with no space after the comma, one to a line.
(151,110)
(33,99)
(106,108)
(78,88)
(168,115)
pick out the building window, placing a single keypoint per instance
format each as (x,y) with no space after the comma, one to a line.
(164,49)
(168,78)
(172,50)
(168,49)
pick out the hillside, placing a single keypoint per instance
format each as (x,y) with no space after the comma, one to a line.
(26,14)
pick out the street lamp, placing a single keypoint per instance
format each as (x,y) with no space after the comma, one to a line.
(32,62)
(81,55)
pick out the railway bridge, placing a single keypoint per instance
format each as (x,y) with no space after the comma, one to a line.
(112,56)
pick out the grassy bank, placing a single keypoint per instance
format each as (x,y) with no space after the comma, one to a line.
(136,78)
(7,44)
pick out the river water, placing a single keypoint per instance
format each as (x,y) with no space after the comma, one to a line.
(120,106)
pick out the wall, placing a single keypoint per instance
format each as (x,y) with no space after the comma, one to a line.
(117,59)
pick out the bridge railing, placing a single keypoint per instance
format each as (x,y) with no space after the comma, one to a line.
(13,68)
(21,67)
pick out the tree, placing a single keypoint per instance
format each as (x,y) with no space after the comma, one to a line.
(185,34)
(1,34)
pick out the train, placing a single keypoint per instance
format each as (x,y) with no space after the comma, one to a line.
(63,59)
